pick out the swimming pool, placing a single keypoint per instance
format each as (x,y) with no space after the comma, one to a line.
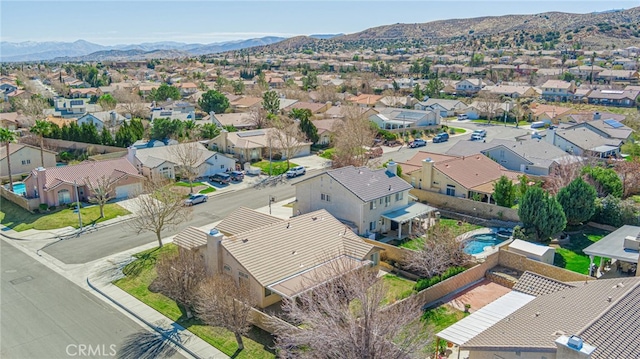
(18,188)
(477,242)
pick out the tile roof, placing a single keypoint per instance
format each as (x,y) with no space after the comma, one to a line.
(614,94)
(623,132)
(280,250)
(586,139)
(238,120)
(556,84)
(155,156)
(15,147)
(311,106)
(190,238)
(537,285)
(365,183)
(91,170)
(474,170)
(247,101)
(243,219)
(536,325)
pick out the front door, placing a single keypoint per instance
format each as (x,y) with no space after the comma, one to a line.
(64,197)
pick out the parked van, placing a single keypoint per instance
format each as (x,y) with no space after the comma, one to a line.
(537,124)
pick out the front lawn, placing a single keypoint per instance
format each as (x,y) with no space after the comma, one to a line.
(277,167)
(571,257)
(141,273)
(208,190)
(186,184)
(501,122)
(18,219)
(328,153)
(397,288)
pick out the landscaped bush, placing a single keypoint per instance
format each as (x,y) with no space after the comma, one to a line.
(276,157)
(43,207)
(429,282)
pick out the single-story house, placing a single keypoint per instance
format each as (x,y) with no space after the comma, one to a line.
(292,252)
(23,158)
(583,142)
(393,118)
(9,120)
(245,103)
(446,108)
(365,100)
(255,144)
(622,98)
(61,185)
(317,109)
(341,111)
(239,120)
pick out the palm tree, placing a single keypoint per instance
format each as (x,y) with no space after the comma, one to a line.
(593,60)
(41,128)
(7,136)
(191,129)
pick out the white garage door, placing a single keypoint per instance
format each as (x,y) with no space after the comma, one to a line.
(128,190)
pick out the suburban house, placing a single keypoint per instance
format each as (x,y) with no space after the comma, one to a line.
(109,119)
(394,118)
(621,98)
(530,156)
(558,90)
(545,318)
(23,158)
(325,130)
(7,88)
(166,160)
(239,120)
(548,113)
(479,109)
(172,115)
(465,177)
(608,128)
(187,88)
(316,109)
(470,86)
(292,252)
(618,75)
(621,247)
(365,100)
(340,111)
(9,120)
(512,91)
(255,144)
(446,108)
(70,108)
(585,71)
(582,141)
(245,103)
(61,185)
(368,201)
(397,101)
(85,92)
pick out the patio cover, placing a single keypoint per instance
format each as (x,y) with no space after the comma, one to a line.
(467,328)
(612,246)
(411,211)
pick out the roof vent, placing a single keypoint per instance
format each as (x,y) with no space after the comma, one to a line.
(288,224)
(389,187)
(537,314)
(245,240)
(575,342)
(213,232)
(294,253)
(609,299)
(314,218)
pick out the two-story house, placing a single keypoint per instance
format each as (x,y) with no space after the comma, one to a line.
(558,90)
(469,86)
(102,119)
(369,201)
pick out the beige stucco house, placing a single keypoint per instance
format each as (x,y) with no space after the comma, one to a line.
(23,158)
(57,185)
(277,257)
(255,144)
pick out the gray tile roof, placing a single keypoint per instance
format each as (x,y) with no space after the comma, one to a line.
(536,326)
(243,219)
(537,285)
(585,138)
(190,237)
(616,334)
(367,184)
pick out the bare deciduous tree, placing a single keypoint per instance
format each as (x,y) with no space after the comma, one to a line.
(179,277)
(32,107)
(224,302)
(187,157)
(629,172)
(131,103)
(562,173)
(441,250)
(488,104)
(158,208)
(355,133)
(101,190)
(346,317)
(286,137)
(258,118)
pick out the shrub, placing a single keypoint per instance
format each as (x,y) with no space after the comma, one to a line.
(425,283)
(74,205)
(52,208)
(276,156)
(43,207)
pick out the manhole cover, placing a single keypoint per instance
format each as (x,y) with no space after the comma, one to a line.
(21,280)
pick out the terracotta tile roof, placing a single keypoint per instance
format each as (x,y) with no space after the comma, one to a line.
(474,170)
(365,99)
(280,250)
(247,101)
(536,326)
(415,162)
(9,116)
(537,285)
(190,238)
(243,219)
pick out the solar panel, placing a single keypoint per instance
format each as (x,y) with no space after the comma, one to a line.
(613,123)
(77,102)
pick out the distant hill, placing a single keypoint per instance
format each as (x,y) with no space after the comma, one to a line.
(324,36)
(124,55)
(594,29)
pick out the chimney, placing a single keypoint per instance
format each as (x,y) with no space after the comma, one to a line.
(596,115)
(551,136)
(427,173)
(573,347)
(214,251)
(41,180)
(131,155)
(392,168)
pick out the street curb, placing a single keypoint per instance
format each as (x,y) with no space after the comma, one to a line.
(154,327)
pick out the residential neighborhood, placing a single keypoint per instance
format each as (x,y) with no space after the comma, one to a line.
(358,195)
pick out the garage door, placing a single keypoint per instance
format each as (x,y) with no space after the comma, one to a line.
(126,191)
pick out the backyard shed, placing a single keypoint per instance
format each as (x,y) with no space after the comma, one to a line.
(533,251)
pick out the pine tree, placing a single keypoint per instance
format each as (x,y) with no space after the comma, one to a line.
(541,214)
(504,192)
(578,201)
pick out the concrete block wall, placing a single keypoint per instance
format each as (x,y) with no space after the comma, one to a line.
(466,206)
(522,263)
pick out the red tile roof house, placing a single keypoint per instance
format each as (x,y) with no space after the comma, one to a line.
(55,185)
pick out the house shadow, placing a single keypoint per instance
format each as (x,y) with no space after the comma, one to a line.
(559,261)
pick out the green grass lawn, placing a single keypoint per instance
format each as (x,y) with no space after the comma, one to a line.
(397,288)
(501,122)
(457,130)
(141,273)
(18,219)
(571,257)
(417,243)
(440,318)
(208,190)
(277,167)
(328,153)
(186,184)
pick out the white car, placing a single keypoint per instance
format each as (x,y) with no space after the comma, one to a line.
(296,171)
(462,117)
(481,133)
(476,137)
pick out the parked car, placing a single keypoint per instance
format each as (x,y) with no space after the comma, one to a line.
(476,137)
(296,171)
(236,175)
(418,142)
(222,178)
(482,133)
(441,137)
(195,199)
(462,117)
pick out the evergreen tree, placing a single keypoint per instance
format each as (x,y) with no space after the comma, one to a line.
(165,92)
(504,192)
(106,138)
(606,180)
(541,214)
(271,102)
(578,201)
(89,133)
(213,100)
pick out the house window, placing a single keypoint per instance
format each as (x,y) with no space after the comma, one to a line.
(243,275)
(399,196)
(372,225)
(267,292)
(227,269)
(387,200)
(222,166)
(501,153)
(451,190)
(26,162)
(325,197)
(380,200)
(372,205)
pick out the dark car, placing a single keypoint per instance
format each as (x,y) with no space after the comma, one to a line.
(195,199)
(236,175)
(441,137)
(221,178)
(418,142)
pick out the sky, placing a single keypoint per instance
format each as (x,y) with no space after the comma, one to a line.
(111,22)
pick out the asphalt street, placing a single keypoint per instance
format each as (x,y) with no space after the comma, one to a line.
(44,315)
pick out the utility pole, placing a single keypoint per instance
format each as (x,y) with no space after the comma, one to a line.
(78,205)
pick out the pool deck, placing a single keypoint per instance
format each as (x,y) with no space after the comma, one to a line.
(488,249)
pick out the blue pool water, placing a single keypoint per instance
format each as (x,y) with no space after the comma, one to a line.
(18,188)
(477,243)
